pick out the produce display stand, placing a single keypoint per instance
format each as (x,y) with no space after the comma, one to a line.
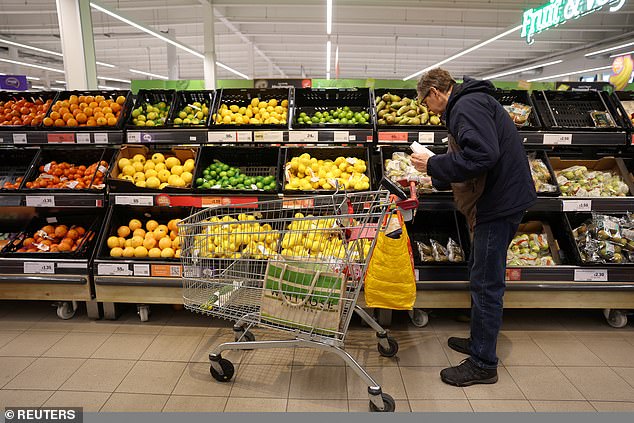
(99,278)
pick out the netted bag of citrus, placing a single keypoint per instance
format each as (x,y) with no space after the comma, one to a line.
(156,172)
(272,112)
(85,110)
(220,175)
(308,173)
(150,114)
(243,237)
(155,241)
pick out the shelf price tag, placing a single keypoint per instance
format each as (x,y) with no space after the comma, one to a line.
(426,137)
(83,138)
(40,201)
(53,138)
(341,136)
(591,275)
(141,270)
(577,205)
(392,136)
(19,138)
(557,139)
(39,267)
(268,136)
(128,200)
(213,136)
(110,269)
(303,136)
(101,138)
(244,136)
(134,137)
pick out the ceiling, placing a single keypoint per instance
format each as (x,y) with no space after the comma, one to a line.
(376,38)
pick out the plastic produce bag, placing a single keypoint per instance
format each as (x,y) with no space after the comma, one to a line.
(541,175)
(606,239)
(529,250)
(400,168)
(519,113)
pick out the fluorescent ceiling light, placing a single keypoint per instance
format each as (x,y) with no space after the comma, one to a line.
(38,87)
(232,70)
(108,65)
(31,65)
(328,16)
(622,54)
(463,52)
(109,78)
(610,49)
(60,82)
(106,87)
(145,29)
(153,75)
(328,48)
(31,78)
(511,72)
(569,73)
(28,47)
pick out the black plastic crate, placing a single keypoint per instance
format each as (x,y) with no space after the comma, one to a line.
(152,97)
(508,97)
(16,163)
(242,97)
(624,103)
(44,96)
(574,220)
(186,98)
(409,93)
(112,95)
(90,222)
(543,156)
(386,152)
(82,156)
(322,153)
(556,228)
(571,109)
(313,100)
(447,224)
(252,161)
(121,215)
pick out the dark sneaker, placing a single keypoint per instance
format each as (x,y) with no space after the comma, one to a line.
(462,345)
(467,374)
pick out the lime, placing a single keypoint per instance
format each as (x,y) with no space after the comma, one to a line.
(259,185)
(240,186)
(344,121)
(346,108)
(319,115)
(200,181)
(315,119)
(231,173)
(206,185)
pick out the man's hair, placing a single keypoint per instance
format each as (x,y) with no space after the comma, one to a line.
(436,78)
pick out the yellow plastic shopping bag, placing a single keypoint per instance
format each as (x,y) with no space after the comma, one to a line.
(390,280)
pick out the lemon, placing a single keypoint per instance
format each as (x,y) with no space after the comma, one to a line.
(255,101)
(138,166)
(170,162)
(177,170)
(189,165)
(139,176)
(116,252)
(149,165)
(140,184)
(273,102)
(176,181)
(113,242)
(128,170)
(163,185)
(187,177)
(154,253)
(140,251)
(164,175)
(139,158)
(284,103)
(152,182)
(150,173)
(128,252)
(234,108)
(123,163)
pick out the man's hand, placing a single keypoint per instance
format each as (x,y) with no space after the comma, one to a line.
(419,160)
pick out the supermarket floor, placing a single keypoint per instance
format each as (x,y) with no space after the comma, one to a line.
(550,361)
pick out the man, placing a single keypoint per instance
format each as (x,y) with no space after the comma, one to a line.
(488,171)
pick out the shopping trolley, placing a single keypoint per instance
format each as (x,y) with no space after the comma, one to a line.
(293,265)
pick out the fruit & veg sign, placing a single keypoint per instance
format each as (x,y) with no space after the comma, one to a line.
(557,12)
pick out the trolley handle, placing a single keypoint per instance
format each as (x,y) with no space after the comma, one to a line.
(404,201)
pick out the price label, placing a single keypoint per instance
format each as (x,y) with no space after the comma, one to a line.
(193,138)
(1,140)
(128,200)
(426,137)
(591,275)
(134,137)
(417,274)
(303,136)
(141,270)
(341,136)
(577,205)
(39,267)
(268,136)
(52,138)
(221,136)
(83,138)
(108,269)
(19,138)
(40,201)
(392,136)
(557,139)
(244,136)
(101,138)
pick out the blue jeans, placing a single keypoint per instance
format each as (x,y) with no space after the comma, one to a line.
(487,281)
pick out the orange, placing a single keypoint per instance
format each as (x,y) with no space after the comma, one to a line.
(65,104)
(55,107)
(149,243)
(71,122)
(73,107)
(102,121)
(73,99)
(91,122)
(151,225)
(120,100)
(76,111)
(107,110)
(83,105)
(82,99)
(98,115)
(88,111)
(89,99)
(60,122)
(135,224)
(48,121)
(115,107)
(109,115)
(63,110)
(112,121)
(164,243)
(82,118)
(97,109)
(93,104)
(123,231)
(103,104)
(67,116)
(55,115)
(99,98)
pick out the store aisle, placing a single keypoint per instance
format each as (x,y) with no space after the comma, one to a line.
(551,361)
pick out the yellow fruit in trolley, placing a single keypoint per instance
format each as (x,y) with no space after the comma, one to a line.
(154,253)
(139,158)
(158,158)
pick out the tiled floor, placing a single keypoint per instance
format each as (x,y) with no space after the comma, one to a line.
(550,360)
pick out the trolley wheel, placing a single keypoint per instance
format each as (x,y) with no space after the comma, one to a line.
(391,350)
(419,317)
(389,405)
(246,336)
(144,312)
(616,318)
(65,310)
(227,370)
